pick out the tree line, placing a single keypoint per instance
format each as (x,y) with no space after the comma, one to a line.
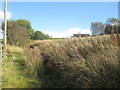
(20,32)
(112,25)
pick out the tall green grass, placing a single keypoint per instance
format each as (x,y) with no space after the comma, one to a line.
(15,70)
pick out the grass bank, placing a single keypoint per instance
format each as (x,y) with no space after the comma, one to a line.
(83,63)
(77,63)
(15,70)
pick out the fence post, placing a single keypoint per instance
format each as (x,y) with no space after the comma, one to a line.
(5,31)
(1,64)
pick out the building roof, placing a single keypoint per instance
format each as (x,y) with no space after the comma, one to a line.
(82,35)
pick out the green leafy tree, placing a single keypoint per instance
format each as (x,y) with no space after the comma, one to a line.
(16,35)
(112,24)
(40,36)
(26,24)
(46,36)
(108,29)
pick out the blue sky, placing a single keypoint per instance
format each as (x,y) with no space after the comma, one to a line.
(62,19)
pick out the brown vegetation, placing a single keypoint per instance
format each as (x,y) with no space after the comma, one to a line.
(82,63)
(90,62)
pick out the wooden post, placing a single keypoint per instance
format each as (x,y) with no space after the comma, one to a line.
(0,64)
(5,29)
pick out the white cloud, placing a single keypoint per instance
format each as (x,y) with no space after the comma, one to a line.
(2,15)
(68,33)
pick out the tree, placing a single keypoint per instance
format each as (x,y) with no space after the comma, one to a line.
(16,35)
(108,29)
(46,36)
(97,28)
(111,21)
(26,24)
(40,36)
(112,24)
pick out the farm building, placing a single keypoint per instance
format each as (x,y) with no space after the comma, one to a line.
(80,35)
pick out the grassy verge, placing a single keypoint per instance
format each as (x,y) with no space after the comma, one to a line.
(15,71)
(23,68)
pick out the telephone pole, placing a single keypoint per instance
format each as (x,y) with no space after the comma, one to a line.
(5,27)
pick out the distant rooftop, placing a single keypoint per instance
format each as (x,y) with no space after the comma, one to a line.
(80,35)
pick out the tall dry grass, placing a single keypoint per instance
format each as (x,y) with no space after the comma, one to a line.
(90,62)
(82,63)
